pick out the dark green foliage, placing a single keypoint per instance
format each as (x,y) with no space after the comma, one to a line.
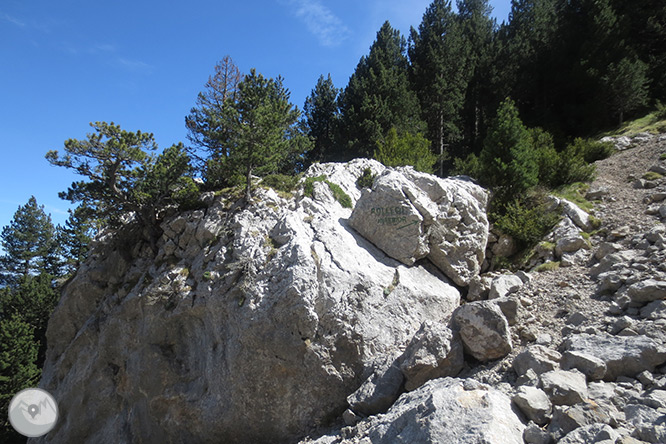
(33,299)
(322,115)
(123,177)
(264,131)
(29,243)
(478,30)
(366,179)
(440,57)
(405,149)
(18,369)
(548,159)
(208,127)
(75,236)
(378,97)
(281,182)
(626,86)
(594,150)
(526,218)
(573,167)
(660,113)
(338,193)
(509,164)
(469,166)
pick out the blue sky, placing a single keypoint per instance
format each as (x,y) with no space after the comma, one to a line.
(141,63)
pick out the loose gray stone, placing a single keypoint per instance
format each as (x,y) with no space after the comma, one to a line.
(533,434)
(538,358)
(504,285)
(594,433)
(484,330)
(591,366)
(647,291)
(378,392)
(435,352)
(534,403)
(443,411)
(564,387)
(623,356)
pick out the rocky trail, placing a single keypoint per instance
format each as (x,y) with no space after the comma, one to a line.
(554,311)
(297,319)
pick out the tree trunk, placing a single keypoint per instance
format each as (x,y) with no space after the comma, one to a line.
(248,185)
(441,145)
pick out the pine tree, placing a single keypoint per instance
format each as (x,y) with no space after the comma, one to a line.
(626,84)
(76,235)
(378,96)
(478,28)
(123,179)
(265,128)
(207,124)
(322,114)
(18,369)
(529,56)
(644,29)
(439,55)
(509,165)
(29,242)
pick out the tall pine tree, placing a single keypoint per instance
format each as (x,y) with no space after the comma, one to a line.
(478,28)
(29,242)
(207,124)
(439,56)
(322,115)
(264,128)
(509,164)
(378,96)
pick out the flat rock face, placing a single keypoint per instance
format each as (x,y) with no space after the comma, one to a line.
(411,215)
(623,355)
(252,324)
(446,410)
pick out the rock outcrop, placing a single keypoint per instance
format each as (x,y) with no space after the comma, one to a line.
(255,323)
(294,319)
(411,215)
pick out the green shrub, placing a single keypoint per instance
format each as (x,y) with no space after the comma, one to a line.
(592,150)
(662,156)
(548,266)
(366,179)
(546,156)
(405,149)
(661,111)
(308,187)
(508,161)
(526,219)
(469,166)
(338,193)
(651,175)
(573,168)
(281,182)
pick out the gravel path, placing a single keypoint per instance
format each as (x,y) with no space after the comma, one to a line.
(559,301)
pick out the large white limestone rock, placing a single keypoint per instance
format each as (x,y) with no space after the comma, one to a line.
(411,215)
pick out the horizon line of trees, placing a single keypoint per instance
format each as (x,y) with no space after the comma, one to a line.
(572,67)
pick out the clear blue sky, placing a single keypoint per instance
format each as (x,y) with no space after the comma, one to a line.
(141,63)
